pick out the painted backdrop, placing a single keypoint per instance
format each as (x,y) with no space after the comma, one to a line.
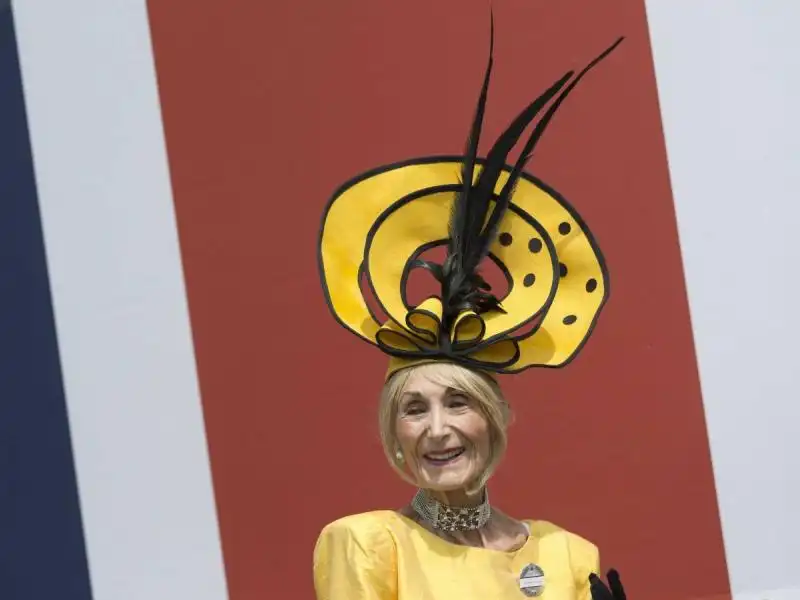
(267,109)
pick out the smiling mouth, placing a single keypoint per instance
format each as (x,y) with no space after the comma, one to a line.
(443,458)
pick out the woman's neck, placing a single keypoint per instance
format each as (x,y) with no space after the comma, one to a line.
(458,498)
(500,532)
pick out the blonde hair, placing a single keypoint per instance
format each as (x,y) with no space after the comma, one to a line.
(478,386)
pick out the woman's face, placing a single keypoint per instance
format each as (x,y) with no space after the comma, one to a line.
(443,435)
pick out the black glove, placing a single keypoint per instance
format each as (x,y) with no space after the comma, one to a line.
(612,591)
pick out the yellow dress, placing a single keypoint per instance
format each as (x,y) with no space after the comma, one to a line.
(382,555)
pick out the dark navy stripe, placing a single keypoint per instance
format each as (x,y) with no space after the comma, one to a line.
(42,550)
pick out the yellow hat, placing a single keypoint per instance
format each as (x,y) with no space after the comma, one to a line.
(377,225)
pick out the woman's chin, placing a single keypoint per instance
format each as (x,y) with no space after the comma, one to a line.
(445,482)
(445,486)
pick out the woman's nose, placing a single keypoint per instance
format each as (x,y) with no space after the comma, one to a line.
(438,423)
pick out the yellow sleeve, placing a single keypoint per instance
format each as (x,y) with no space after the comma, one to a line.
(585,559)
(355,559)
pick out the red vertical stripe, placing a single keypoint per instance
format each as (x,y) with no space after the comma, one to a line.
(268,107)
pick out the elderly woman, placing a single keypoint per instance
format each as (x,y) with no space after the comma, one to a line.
(443,417)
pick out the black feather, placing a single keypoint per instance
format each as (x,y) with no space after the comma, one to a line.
(493,167)
(541,126)
(464,211)
(470,238)
(477,212)
(527,151)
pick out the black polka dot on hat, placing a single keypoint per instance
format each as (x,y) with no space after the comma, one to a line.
(570,319)
(505,239)
(535,245)
(564,228)
(562,269)
(591,285)
(529,280)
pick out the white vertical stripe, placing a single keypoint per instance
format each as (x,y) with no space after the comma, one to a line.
(119,300)
(729,81)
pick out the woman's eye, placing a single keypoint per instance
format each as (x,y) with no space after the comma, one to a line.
(458,401)
(414,409)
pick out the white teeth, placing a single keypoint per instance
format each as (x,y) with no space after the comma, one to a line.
(446,455)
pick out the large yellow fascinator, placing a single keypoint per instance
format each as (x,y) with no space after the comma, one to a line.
(376,227)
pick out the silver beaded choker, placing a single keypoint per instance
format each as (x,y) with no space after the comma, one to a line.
(451,518)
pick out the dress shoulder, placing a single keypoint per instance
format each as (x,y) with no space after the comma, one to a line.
(355,559)
(372,523)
